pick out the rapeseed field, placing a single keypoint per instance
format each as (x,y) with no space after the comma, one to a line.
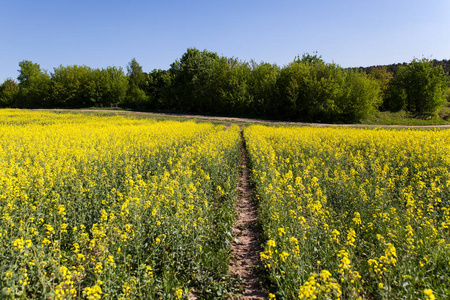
(353,213)
(114,208)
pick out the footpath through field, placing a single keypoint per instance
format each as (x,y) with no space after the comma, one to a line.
(245,248)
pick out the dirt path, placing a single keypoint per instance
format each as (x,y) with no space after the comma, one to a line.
(246,249)
(235,119)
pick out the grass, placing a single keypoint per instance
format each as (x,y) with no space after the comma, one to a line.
(402,118)
(410,119)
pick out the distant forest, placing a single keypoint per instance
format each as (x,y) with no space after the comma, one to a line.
(202,82)
(445,64)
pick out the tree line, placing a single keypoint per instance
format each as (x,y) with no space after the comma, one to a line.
(202,82)
(392,68)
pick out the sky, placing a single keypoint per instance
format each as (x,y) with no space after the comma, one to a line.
(99,33)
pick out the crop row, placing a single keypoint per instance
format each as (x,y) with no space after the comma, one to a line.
(353,213)
(113,207)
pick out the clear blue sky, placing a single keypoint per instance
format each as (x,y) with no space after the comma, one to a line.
(101,33)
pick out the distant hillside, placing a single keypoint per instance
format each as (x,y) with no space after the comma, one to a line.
(445,63)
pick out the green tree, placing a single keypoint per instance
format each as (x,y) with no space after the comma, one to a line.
(227,90)
(262,87)
(362,96)
(322,92)
(34,85)
(310,59)
(136,96)
(136,76)
(8,93)
(288,101)
(159,89)
(418,87)
(310,89)
(383,77)
(111,86)
(73,86)
(193,75)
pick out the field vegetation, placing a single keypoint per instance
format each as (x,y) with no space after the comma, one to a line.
(107,206)
(115,208)
(353,213)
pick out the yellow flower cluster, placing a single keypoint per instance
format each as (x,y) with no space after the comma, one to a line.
(370,207)
(322,286)
(107,206)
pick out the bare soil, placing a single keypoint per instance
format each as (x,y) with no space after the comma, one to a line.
(245,248)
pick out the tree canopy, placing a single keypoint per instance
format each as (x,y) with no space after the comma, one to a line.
(418,87)
(203,82)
